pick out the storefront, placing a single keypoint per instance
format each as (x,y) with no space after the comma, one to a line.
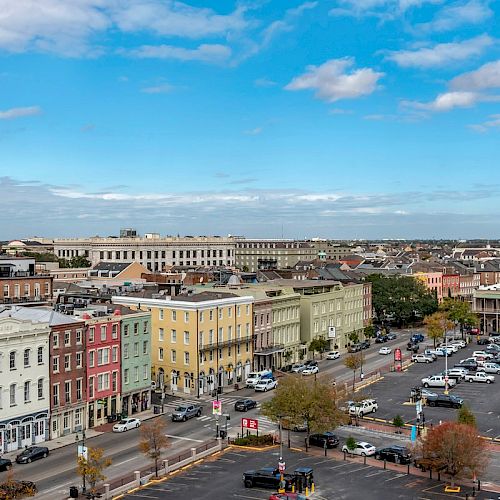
(18,433)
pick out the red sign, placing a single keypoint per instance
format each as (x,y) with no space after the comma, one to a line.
(397,354)
(250,423)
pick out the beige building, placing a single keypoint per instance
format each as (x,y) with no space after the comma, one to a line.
(200,342)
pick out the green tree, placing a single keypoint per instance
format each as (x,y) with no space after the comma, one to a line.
(403,299)
(353,362)
(314,402)
(436,325)
(398,422)
(91,469)
(353,337)
(350,442)
(369,331)
(318,344)
(459,312)
(41,257)
(465,416)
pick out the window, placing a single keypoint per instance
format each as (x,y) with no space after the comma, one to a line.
(186,358)
(186,317)
(173,356)
(6,290)
(211,314)
(40,355)
(67,391)
(145,347)
(91,334)
(136,348)
(161,334)
(79,382)
(220,312)
(238,331)
(40,388)
(136,374)
(26,289)
(160,354)
(125,351)
(201,316)
(55,340)
(145,327)
(103,333)
(78,417)
(55,364)
(103,356)
(27,357)
(79,359)
(13,390)
(114,381)
(67,338)
(160,314)
(173,336)
(91,359)
(211,355)
(102,382)
(27,385)
(67,362)
(91,387)
(114,354)
(136,328)
(145,372)
(125,376)
(247,308)
(238,311)
(55,395)
(186,338)
(125,330)
(229,312)
(78,335)
(210,336)
(114,331)
(220,353)
(221,335)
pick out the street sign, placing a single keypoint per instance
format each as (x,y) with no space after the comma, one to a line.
(397,354)
(281,466)
(331,332)
(82,451)
(250,423)
(217,407)
(418,407)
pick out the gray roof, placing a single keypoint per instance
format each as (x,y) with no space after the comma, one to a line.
(38,315)
(111,267)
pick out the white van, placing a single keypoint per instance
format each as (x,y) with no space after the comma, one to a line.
(254,377)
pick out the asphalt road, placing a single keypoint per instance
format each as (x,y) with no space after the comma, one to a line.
(221,478)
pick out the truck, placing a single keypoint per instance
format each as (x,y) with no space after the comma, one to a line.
(254,377)
(422,358)
(479,377)
(186,411)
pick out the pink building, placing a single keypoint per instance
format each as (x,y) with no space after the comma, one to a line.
(103,367)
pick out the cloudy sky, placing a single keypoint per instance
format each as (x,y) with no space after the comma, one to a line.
(265,118)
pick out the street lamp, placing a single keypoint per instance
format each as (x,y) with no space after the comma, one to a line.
(445,362)
(82,452)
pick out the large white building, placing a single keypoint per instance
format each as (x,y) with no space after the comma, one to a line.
(24,383)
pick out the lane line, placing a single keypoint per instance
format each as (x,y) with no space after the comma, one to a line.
(184,438)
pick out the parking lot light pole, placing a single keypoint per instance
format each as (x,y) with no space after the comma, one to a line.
(445,362)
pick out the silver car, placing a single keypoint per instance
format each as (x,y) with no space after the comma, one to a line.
(184,412)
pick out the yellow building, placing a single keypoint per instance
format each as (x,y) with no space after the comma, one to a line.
(200,342)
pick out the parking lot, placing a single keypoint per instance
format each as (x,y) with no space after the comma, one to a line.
(221,477)
(394,390)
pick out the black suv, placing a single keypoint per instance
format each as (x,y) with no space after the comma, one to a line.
(396,454)
(33,453)
(365,344)
(380,339)
(319,440)
(483,341)
(245,404)
(267,477)
(311,362)
(447,401)
(5,464)
(468,365)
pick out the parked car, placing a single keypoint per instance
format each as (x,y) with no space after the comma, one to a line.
(417,337)
(431,353)
(469,364)
(310,370)
(311,362)
(297,368)
(32,453)
(267,477)
(354,348)
(483,341)
(412,346)
(254,377)
(490,368)
(444,351)
(492,348)
(184,412)
(266,385)
(479,377)
(365,344)
(364,407)
(362,448)
(426,393)
(245,404)
(333,355)
(126,424)
(385,350)
(380,339)
(5,464)
(437,381)
(460,343)
(397,454)
(391,336)
(422,358)
(445,400)
(319,440)
(494,334)
(456,373)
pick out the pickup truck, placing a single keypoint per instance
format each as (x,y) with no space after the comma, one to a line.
(437,381)
(422,358)
(184,412)
(267,477)
(479,377)
(363,407)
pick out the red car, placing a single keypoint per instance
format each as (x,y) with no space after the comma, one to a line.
(288,496)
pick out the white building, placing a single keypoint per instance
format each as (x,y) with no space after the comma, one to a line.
(24,383)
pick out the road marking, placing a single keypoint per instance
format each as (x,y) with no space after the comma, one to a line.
(341,465)
(376,473)
(125,461)
(395,477)
(356,470)
(58,487)
(184,438)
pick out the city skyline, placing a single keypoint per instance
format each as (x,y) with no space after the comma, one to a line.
(340,119)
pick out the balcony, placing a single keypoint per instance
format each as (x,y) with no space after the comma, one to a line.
(225,343)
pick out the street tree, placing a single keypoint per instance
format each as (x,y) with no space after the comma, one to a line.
(465,416)
(459,312)
(436,325)
(91,469)
(455,449)
(153,440)
(353,337)
(305,400)
(404,299)
(350,442)
(318,344)
(369,331)
(354,362)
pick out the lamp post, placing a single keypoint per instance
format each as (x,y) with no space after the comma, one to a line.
(445,362)
(82,452)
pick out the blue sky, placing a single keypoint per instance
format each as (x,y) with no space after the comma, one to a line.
(332,118)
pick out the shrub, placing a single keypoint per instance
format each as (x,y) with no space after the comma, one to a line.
(350,443)
(254,440)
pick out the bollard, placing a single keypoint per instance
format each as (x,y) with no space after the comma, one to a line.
(312,488)
(307,491)
(385,464)
(364,459)
(165,466)
(478,485)
(345,456)
(305,441)
(193,452)
(430,473)
(408,469)
(138,477)
(439,476)
(106,492)
(293,488)
(325,450)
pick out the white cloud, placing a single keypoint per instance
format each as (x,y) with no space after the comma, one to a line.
(13,113)
(333,82)
(492,122)
(384,9)
(264,82)
(456,14)
(442,53)
(213,53)
(164,88)
(447,101)
(254,131)
(486,77)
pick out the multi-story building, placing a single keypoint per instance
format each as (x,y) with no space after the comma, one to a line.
(24,383)
(135,360)
(103,338)
(67,376)
(19,282)
(451,285)
(486,304)
(489,272)
(200,342)
(152,251)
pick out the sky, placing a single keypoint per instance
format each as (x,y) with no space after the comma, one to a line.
(264,118)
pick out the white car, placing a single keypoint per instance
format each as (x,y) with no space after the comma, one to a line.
(480,377)
(310,370)
(333,355)
(266,385)
(362,448)
(437,381)
(482,354)
(490,368)
(363,407)
(460,343)
(126,424)
(422,358)
(385,350)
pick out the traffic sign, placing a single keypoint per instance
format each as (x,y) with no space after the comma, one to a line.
(82,451)
(418,407)
(217,407)
(397,354)
(250,423)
